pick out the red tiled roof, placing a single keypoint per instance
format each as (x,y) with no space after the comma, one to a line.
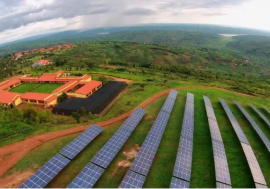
(29,79)
(66,87)
(48,77)
(87,88)
(44,62)
(51,98)
(9,83)
(7,97)
(35,96)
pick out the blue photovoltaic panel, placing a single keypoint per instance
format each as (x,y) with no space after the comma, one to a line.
(46,173)
(253,165)
(255,126)
(238,130)
(183,163)
(182,168)
(178,183)
(77,145)
(190,98)
(221,164)
(107,153)
(87,178)
(220,159)
(222,185)
(144,159)
(168,105)
(260,114)
(132,180)
(173,94)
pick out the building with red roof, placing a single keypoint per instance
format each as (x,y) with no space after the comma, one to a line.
(7,98)
(73,86)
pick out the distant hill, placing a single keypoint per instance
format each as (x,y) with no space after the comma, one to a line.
(169,34)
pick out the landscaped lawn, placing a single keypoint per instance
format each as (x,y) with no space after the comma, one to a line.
(24,87)
(47,88)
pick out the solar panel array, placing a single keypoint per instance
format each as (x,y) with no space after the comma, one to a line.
(107,153)
(46,173)
(144,159)
(221,163)
(255,126)
(222,185)
(178,183)
(260,114)
(77,145)
(88,177)
(250,156)
(183,164)
(92,172)
(132,180)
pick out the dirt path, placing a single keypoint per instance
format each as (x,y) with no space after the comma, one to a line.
(12,153)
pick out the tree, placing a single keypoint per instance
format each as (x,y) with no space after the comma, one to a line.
(76,116)
(62,97)
(103,79)
(83,111)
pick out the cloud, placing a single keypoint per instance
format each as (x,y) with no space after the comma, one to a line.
(214,14)
(139,11)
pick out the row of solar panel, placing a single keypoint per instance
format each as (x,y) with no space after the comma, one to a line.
(48,171)
(220,159)
(250,156)
(141,165)
(255,126)
(183,164)
(92,172)
(260,114)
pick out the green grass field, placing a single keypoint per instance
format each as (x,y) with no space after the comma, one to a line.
(203,172)
(24,87)
(45,88)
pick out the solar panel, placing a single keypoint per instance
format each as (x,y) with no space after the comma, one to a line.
(190,98)
(214,129)
(46,173)
(189,110)
(173,94)
(168,105)
(144,159)
(88,177)
(238,130)
(77,145)
(221,164)
(222,185)
(254,165)
(107,153)
(207,101)
(260,186)
(255,126)
(182,168)
(132,180)
(178,183)
(266,109)
(260,114)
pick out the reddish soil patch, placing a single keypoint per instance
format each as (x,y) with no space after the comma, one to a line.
(37,107)
(157,62)
(218,58)
(15,152)
(264,70)
(234,67)
(187,58)
(132,47)
(16,179)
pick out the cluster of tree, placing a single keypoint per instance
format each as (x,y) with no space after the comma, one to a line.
(62,97)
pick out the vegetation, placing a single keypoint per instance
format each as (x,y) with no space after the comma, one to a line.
(62,97)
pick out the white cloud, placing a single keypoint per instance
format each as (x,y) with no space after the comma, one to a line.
(24,18)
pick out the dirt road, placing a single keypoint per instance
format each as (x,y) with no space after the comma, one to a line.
(12,153)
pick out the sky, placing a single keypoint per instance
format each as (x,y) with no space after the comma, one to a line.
(25,18)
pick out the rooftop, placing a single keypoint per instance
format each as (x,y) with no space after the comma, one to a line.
(7,97)
(88,87)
